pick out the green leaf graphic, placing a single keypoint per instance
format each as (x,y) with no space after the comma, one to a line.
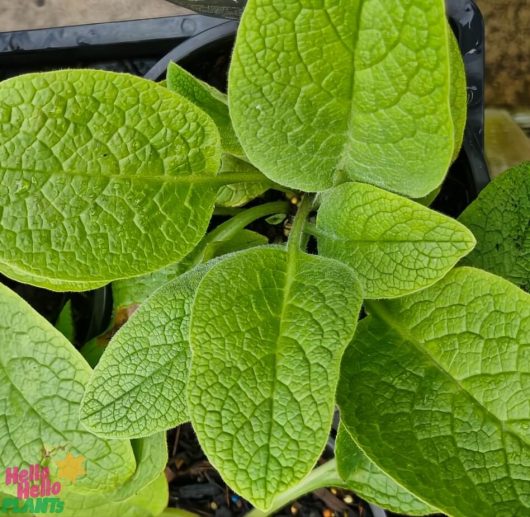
(355,89)
(268,331)
(42,379)
(102,176)
(500,220)
(367,480)
(395,245)
(435,388)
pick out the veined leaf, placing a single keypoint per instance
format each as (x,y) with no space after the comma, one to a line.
(42,379)
(500,220)
(138,386)
(238,194)
(268,330)
(435,388)
(102,176)
(208,99)
(367,480)
(359,89)
(395,245)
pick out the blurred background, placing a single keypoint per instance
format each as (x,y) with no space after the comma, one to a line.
(507,52)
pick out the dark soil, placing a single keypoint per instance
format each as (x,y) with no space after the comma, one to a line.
(196,486)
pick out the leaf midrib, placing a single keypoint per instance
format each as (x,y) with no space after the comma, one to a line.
(162,178)
(378,309)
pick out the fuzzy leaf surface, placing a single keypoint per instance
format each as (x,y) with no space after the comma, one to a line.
(268,330)
(395,246)
(42,380)
(210,100)
(238,194)
(435,388)
(353,89)
(500,220)
(367,480)
(138,386)
(102,176)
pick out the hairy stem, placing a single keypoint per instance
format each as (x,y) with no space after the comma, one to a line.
(296,235)
(229,228)
(322,477)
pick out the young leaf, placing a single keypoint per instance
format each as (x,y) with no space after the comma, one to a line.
(208,99)
(367,480)
(268,330)
(500,220)
(395,245)
(42,379)
(435,387)
(65,322)
(352,89)
(102,176)
(238,194)
(138,386)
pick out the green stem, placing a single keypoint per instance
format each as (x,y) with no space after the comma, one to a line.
(311,229)
(227,210)
(296,235)
(322,477)
(229,228)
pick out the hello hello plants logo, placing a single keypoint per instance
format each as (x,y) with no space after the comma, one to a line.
(35,491)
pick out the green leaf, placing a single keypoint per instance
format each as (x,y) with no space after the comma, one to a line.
(65,322)
(238,194)
(149,501)
(369,482)
(138,386)
(208,99)
(42,379)
(435,387)
(268,330)
(354,90)
(458,92)
(145,494)
(395,245)
(500,220)
(102,176)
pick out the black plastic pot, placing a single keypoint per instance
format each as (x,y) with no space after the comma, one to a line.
(202,44)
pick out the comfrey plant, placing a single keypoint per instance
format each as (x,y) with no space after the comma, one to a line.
(347,110)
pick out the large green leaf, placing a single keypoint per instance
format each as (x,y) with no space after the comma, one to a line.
(395,245)
(102,176)
(268,330)
(367,480)
(138,386)
(210,100)
(42,379)
(500,220)
(359,89)
(435,389)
